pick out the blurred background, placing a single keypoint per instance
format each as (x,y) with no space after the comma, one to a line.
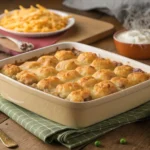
(56,4)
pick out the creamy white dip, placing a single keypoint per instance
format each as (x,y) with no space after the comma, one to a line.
(135,36)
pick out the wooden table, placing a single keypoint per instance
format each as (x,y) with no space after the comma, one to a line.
(137,134)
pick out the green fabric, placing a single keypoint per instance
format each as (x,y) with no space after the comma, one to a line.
(49,131)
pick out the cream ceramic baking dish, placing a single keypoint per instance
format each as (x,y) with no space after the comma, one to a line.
(72,114)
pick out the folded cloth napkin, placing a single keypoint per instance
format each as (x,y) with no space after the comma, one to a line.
(38,42)
(50,131)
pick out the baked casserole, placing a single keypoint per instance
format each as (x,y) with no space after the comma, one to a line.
(75,76)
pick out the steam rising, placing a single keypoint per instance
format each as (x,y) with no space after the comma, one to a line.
(137,16)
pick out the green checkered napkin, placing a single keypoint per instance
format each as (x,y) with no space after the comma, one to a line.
(50,131)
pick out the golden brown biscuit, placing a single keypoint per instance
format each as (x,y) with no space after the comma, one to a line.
(85,70)
(137,77)
(120,82)
(29,65)
(101,63)
(68,75)
(10,70)
(123,71)
(86,58)
(87,82)
(103,88)
(66,65)
(48,60)
(64,55)
(104,74)
(63,90)
(44,72)
(27,77)
(48,84)
(81,95)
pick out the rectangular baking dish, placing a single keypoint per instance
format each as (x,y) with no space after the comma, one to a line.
(72,114)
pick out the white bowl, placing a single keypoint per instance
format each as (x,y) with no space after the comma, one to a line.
(71,22)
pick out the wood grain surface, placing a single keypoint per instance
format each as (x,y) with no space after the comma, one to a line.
(87,30)
(137,134)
